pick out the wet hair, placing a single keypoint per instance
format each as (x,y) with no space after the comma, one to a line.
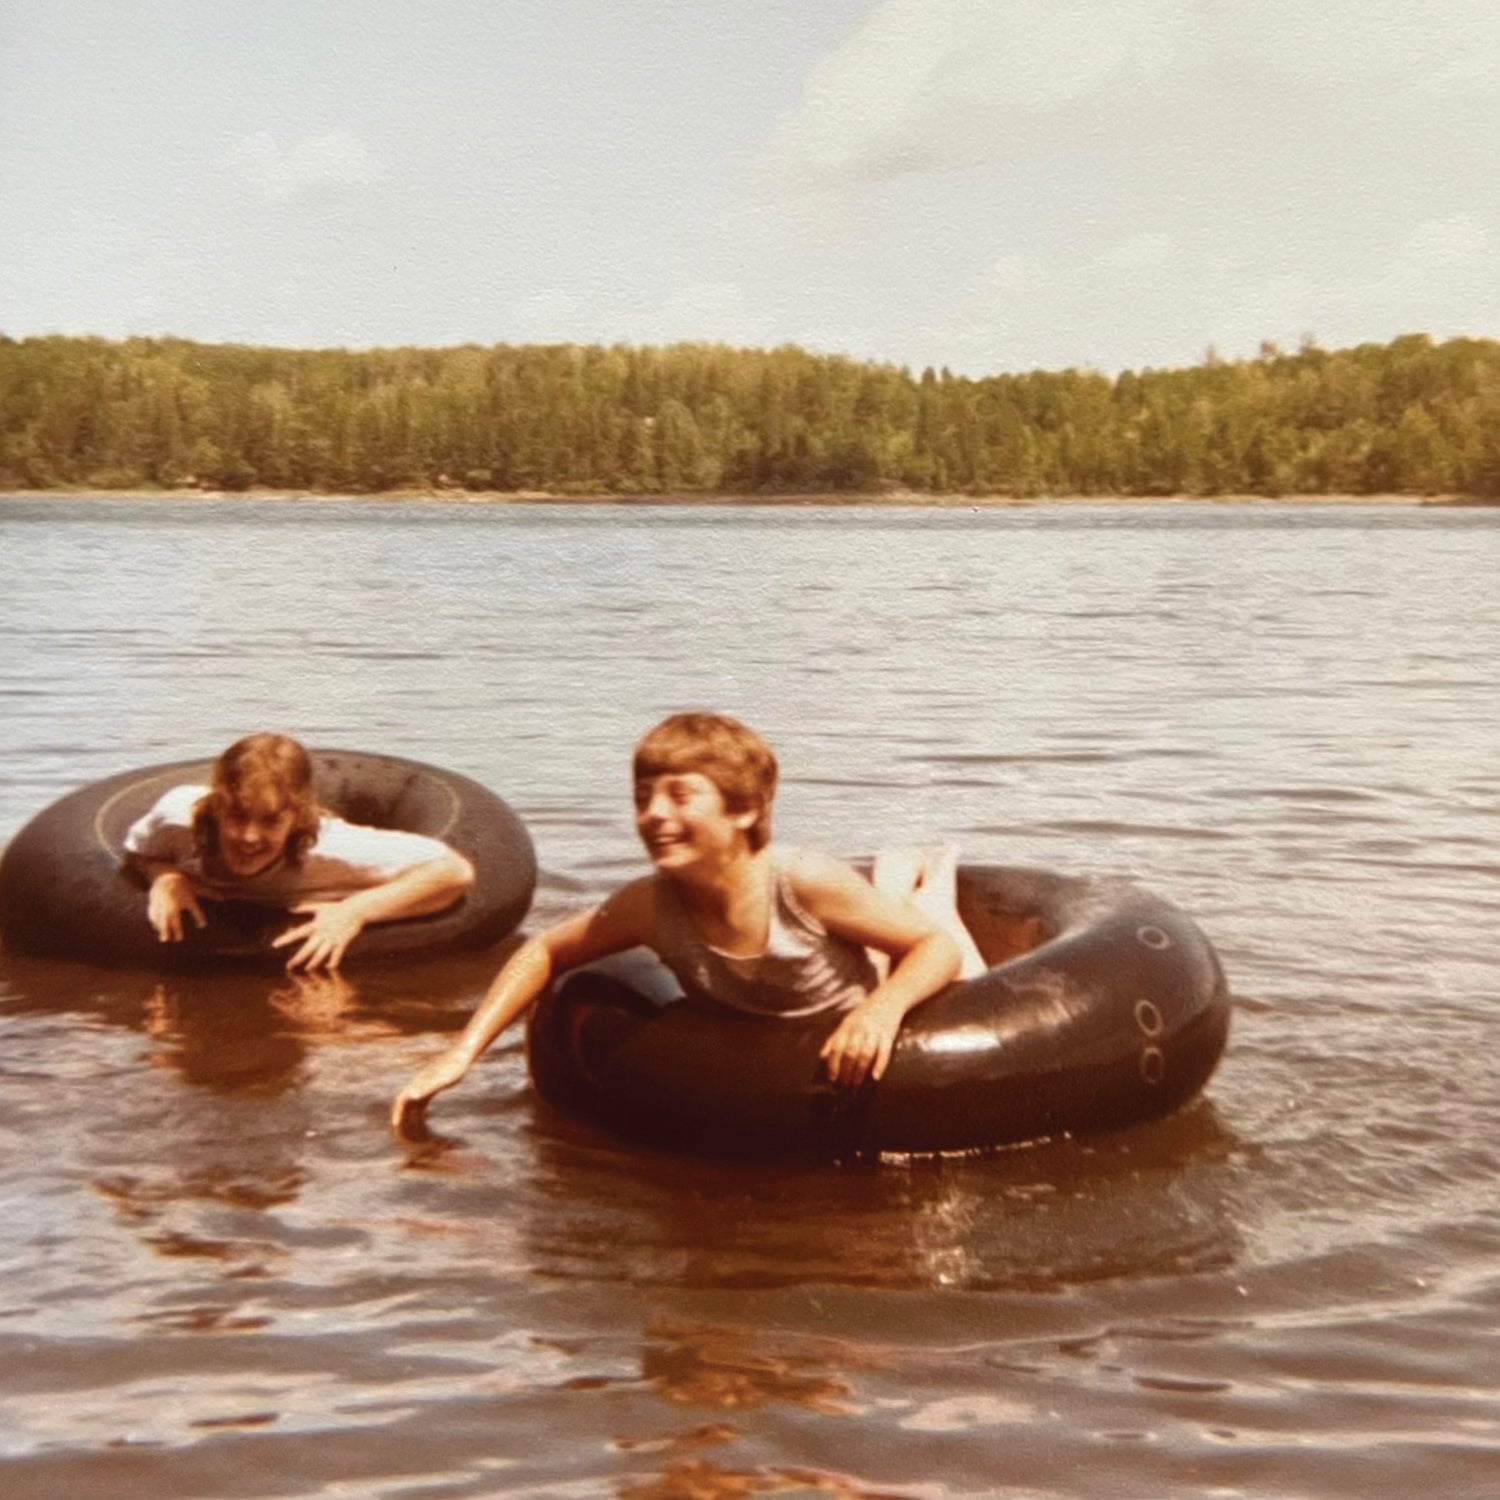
(272,766)
(731,755)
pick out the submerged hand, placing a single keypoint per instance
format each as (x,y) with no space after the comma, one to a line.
(325,938)
(170,896)
(861,1045)
(411,1103)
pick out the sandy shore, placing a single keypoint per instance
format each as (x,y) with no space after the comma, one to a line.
(884,498)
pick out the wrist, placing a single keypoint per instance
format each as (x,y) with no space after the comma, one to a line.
(466,1054)
(355,906)
(881,1002)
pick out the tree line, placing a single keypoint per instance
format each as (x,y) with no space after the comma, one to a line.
(1411,416)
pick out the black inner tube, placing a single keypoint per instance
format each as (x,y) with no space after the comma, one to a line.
(64,890)
(1104,1005)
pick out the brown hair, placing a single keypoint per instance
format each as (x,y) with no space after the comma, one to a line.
(270,765)
(731,755)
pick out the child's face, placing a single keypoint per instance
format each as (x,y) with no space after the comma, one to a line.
(253,831)
(681,818)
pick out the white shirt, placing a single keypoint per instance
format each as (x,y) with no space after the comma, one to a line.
(345,857)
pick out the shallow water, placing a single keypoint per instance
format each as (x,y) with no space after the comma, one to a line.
(223,1278)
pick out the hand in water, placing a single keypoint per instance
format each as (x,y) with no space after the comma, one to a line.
(325,938)
(410,1106)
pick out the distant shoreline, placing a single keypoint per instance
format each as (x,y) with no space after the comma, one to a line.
(911,498)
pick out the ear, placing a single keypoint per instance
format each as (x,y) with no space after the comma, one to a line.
(745,820)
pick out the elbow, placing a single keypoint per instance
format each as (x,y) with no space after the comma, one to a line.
(454,877)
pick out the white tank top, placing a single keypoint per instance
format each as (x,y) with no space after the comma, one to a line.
(804,968)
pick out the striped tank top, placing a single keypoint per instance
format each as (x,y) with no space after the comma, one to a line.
(804,968)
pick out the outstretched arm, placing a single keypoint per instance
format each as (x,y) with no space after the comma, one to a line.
(623,921)
(925,959)
(428,887)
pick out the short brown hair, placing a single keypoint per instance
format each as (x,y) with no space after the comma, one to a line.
(271,764)
(731,755)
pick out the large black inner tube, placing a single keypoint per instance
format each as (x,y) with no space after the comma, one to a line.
(64,892)
(1104,1005)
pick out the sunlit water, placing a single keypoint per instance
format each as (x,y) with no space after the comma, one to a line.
(223,1278)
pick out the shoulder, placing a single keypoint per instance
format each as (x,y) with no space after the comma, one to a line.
(816,880)
(178,804)
(625,919)
(837,895)
(169,820)
(633,905)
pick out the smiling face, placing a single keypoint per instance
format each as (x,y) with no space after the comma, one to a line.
(711,749)
(253,830)
(682,821)
(260,806)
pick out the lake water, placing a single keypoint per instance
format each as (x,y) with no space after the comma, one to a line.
(223,1278)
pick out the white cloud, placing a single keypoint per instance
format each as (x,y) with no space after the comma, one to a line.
(1454,241)
(1004,278)
(338,159)
(1165,302)
(927,86)
(1344,39)
(938,84)
(710,312)
(1475,73)
(1141,252)
(547,315)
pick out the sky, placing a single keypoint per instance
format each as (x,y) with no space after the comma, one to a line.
(987,185)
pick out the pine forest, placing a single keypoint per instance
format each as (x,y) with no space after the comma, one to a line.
(1413,416)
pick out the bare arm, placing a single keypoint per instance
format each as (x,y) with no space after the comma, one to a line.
(333,925)
(155,847)
(170,897)
(925,959)
(623,921)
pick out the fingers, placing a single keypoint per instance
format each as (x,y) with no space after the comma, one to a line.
(408,1112)
(410,1106)
(167,922)
(292,934)
(320,949)
(858,1050)
(319,952)
(325,938)
(197,912)
(849,1056)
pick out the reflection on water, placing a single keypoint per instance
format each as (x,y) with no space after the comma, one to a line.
(1141,1203)
(224,1278)
(726,1367)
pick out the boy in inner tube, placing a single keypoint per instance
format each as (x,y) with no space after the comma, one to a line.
(741,921)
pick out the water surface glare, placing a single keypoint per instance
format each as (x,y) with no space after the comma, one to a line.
(223,1278)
